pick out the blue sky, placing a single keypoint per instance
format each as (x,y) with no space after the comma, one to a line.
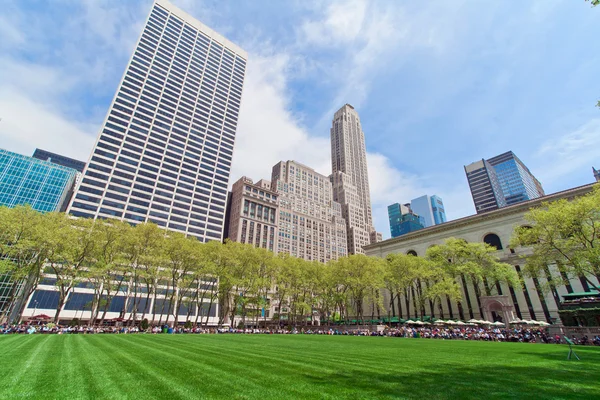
(437,84)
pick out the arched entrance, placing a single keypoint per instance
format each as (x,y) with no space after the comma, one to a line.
(497,308)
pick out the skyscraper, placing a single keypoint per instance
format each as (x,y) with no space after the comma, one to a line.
(26,180)
(501,181)
(311,225)
(350,177)
(164,151)
(431,208)
(403,219)
(517,182)
(596,174)
(485,187)
(58,159)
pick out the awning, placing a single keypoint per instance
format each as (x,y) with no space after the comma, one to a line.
(581,294)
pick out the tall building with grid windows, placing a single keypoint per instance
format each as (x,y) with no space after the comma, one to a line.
(165,148)
(26,180)
(254,214)
(350,178)
(310,223)
(501,181)
(517,182)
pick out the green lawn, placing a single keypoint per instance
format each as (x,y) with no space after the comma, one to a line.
(288,367)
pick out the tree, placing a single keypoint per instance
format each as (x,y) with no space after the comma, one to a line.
(24,245)
(563,234)
(109,236)
(71,250)
(476,261)
(594,4)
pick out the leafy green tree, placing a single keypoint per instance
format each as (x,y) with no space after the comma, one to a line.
(71,249)
(564,234)
(476,262)
(24,244)
(104,272)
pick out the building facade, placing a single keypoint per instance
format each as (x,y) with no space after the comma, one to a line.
(485,187)
(501,181)
(517,182)
(431,208)
(532,301)
(311,225)
(254,214)
(596,174)
(26,180)
(59,160)
(403,220)
(350,178)
(165,148)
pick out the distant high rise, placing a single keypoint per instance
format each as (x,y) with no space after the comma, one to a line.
(431,208)
(311,225)
(485,187)
(254,214)
(596,174)
(58,159)
(164,151)
(403,220)
(27,180)
(501,181)
(517,182)
(350,177)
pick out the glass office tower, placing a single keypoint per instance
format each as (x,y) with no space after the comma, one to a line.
(26,180)
(517,182)
(430,208)
(485,186)
(403,220)
(164,151)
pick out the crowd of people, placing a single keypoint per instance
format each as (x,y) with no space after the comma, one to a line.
(515,334)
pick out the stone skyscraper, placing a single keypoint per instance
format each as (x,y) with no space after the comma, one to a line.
(164,151)
(310,221)
(350,178)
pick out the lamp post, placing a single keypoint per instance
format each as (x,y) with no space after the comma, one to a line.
(35,303)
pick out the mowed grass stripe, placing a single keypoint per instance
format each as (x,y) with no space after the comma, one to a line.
(237,374)
(145,370)
(29,372)
(243,368)
(189,369)
(291,366)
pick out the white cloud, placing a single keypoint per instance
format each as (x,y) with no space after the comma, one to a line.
(27,124)
(575,151)
(268,132)
(341,22)
(389,185)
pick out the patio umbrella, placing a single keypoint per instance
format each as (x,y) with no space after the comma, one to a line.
(440,322)
(498,323)
(543,323)
(474,321)
(516,321)
(487,322)
(459,323)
